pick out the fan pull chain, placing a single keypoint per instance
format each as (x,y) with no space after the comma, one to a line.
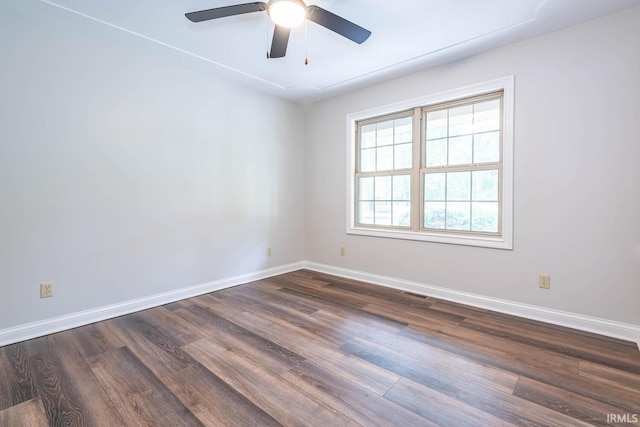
(268,45)
(306,44)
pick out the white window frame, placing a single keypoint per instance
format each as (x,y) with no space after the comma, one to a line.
(505,240)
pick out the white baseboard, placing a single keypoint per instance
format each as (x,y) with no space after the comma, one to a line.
(73,320)
(596,325)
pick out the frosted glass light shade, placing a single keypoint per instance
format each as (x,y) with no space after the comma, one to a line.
(287,13)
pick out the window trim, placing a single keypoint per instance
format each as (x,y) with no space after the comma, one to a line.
(505,241)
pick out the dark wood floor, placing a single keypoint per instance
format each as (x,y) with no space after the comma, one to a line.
(309,349)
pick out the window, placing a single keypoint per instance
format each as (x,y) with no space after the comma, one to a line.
(461,169)
(384,171)
(437,168)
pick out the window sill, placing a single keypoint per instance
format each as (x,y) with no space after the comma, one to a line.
(480,241)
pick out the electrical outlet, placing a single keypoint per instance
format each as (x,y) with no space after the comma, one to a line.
(46,290)
(544,281)
(342,251)
(268,252)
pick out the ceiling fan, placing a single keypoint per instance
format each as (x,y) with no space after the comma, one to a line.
(287,14)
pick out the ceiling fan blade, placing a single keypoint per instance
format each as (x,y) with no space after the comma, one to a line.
(279,42)
(337,24)
(221,12)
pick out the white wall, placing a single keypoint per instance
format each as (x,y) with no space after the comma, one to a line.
(577,179)
(128,169)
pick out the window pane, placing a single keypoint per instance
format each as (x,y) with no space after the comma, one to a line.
(436,152)
(486,147)
(458,216)
(436,124)
(460,150)
(487,116)
(368,136)
(365,186)
(368,160)
(459,186)
(461,141)
(402,156)
(485,217)
(403,131)
(461,120)
(384,134)
(401,214)
(365,213)
(435,186)
(383,213)
(383,187)
(485,185)
(385,158)
(434,215)
(402,187)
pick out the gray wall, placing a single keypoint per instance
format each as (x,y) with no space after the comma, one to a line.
(128,169)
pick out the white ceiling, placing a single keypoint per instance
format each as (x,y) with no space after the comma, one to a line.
(407,35)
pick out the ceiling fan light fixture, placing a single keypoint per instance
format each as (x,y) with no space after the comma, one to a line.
(287,13)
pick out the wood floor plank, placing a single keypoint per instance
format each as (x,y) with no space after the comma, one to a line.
(342,322)
(88,394)
(301,327)
(577,406)
(472,388)
(279,313)
(353,314)
(327,296)
(498,352)
(180,331)
(180,304)
(6,383)
(274,306)
(92,396)
(271,355)
(458,309)
(64,347)
(540,364)
(16,381)
(356,402)
(359,371)
(95,339)
(36,346)
(376,293)
(61,400)
(156,349)
(262,291)
(615,378)
(413,315)
(141,398)
(325,353)
(266,389)
(214,402)
(439,408)
(299,279)
(585,348)
(29,413)
(356,325)
(607,342)
(443,361)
